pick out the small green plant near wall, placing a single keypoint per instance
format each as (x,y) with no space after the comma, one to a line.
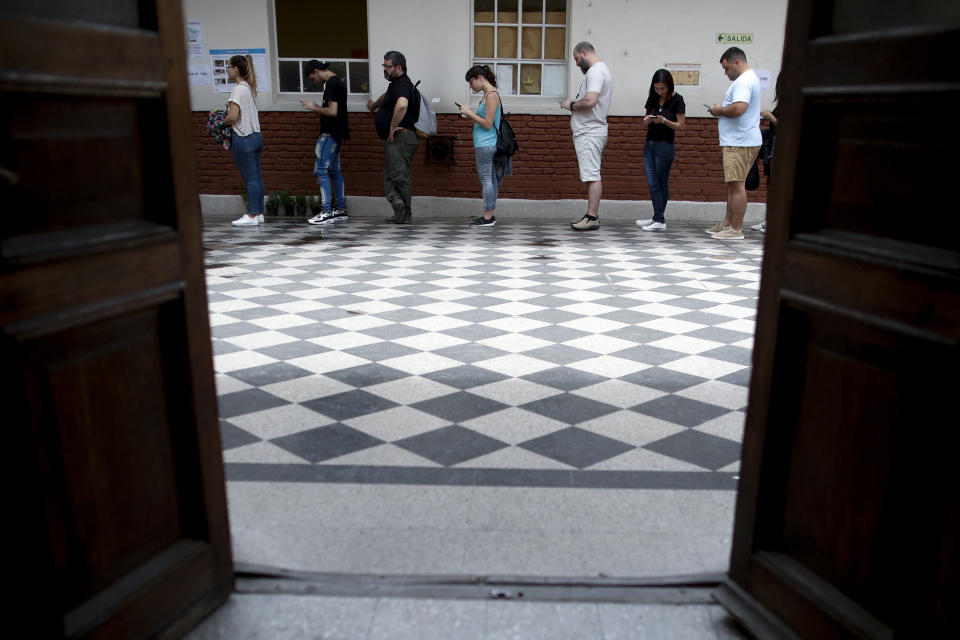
(288,202)
(243,194)
(314,204)
(301,204)
(273,204)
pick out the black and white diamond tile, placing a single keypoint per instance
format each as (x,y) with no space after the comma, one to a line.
(520,352)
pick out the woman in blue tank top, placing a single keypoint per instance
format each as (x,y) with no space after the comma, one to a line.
(486,121)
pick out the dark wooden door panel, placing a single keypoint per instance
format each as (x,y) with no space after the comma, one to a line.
(105,359)
(848,520)
(872,165)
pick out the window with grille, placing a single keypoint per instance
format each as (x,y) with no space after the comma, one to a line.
(333,32)
(525,41)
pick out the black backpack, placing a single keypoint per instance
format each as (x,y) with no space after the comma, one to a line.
(768,149)
(507,144)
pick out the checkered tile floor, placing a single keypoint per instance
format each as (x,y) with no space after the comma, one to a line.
(526,354)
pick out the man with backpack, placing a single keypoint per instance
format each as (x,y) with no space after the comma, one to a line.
(397,112)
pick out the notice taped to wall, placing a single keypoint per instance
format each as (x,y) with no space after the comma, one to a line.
(194,39)
(199,74)
(220,60)
(687,74)
(764,77)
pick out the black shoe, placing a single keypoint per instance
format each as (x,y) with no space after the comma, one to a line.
(484,222)
(401,219)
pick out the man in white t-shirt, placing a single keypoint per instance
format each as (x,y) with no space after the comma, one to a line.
(740,139)
(588,120)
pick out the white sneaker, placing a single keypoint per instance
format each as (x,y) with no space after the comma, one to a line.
(643,223)
(655,226)
(260,219)
(246,221)
(762,227)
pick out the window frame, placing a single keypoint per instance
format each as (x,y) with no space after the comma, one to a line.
(305,90)
(519,61)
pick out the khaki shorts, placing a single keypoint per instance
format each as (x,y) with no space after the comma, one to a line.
(737,162)
(589,152)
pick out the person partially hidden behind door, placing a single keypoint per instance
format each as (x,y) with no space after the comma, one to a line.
(740,139)
(769,149)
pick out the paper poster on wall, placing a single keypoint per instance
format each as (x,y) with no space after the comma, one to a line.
(553,80)
(505,78)
(764,76)
(199,74)
(687,74)
(194,39)
(220,60)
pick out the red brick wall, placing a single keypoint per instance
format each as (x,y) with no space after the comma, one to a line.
(544,168)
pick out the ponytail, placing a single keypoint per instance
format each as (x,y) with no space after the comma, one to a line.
(481,70)
(244,65)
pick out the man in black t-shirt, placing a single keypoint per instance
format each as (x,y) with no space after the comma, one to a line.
(334,130)
(397,113)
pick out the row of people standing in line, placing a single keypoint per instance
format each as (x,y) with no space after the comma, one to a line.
(398,109)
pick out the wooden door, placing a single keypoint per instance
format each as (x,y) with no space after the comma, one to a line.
(847,517)
(118,516)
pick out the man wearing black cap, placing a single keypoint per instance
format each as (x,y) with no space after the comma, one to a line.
(397,113)
(333,131)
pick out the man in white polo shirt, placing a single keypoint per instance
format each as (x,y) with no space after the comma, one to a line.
(588,119)
(740,138)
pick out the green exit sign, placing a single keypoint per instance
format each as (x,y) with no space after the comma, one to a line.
(734,38)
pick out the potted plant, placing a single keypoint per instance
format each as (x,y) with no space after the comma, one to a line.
(273,204)
(314,203)
(243,194)
(288,202)
(301,204)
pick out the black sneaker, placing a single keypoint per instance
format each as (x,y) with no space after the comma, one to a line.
(484,222)
(322,218)
(340,214)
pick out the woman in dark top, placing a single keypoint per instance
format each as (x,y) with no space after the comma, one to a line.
(769,148)
(665,111)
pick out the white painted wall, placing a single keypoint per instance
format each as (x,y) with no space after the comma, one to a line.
(637,37)
(634,37)
(434,36)
(231,24)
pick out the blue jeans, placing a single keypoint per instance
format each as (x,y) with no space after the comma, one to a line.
(657,159)
(327,171)
(246,154)
(488,180)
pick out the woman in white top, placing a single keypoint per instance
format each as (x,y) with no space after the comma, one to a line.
(246,142)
